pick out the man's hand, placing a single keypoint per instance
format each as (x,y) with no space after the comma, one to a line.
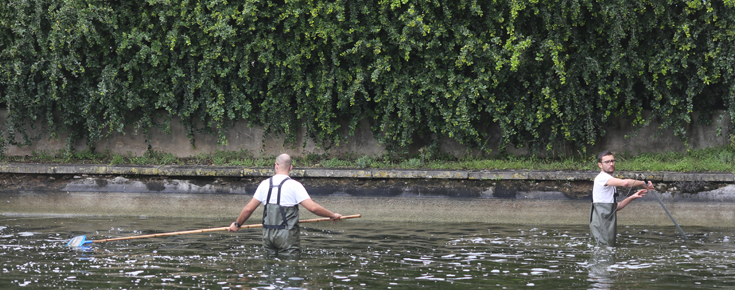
(335,217)
(627,200)
(233,228)
(639,194)
(648,185)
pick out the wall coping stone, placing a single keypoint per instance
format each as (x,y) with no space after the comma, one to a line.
(237,171)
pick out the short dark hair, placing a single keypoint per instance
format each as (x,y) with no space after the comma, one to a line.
(603,154)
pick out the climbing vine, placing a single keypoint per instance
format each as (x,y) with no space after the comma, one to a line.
(546,72)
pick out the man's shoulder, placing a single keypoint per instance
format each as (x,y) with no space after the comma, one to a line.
(603,176)
(278,178)
(265,181)
(293,182)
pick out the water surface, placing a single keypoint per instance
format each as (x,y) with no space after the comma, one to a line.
(359,254)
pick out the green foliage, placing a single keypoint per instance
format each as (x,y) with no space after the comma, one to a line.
(726,157)
(311,158)
(224,157)
(242,162)
(547,72)
(411,163)
(85,155)
(265,161)
(335,163)
(117,159)
(42,155)
(150,157)
(364,161)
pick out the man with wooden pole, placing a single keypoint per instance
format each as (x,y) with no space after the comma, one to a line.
(281,196)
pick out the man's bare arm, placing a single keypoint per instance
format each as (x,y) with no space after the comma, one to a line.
(319,210)
(628,183)
(627,200)
(244,214)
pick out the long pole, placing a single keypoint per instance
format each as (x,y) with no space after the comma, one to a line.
(213,230)
(668,213)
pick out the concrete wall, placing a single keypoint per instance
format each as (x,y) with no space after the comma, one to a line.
(646,140)
(242,136)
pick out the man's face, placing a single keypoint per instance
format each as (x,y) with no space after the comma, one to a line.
(608,164)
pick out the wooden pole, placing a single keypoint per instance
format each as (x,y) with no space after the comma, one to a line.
(214,230)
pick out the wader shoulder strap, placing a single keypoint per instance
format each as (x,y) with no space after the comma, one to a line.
(278,203)
(592,211)
(615,194)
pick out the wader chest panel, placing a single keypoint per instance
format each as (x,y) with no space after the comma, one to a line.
(280,226)
(604,220)
(274,215)
(604,223)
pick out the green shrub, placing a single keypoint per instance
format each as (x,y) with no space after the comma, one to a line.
(364,161)
(242,162)
(334,163)
(42,155)
(117,159)
(265,161)
(726,157)
(166,159)
(544,71)
(411,163)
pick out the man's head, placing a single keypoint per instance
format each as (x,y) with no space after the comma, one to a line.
(606,161)
(283,164)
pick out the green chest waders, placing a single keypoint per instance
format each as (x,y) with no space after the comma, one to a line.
(280,226)
(604,223)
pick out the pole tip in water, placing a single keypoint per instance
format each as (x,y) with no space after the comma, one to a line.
(78,241)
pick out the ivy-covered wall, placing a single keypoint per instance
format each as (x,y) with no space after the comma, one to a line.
(546,72)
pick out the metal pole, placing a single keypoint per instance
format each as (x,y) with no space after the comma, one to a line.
(667,212)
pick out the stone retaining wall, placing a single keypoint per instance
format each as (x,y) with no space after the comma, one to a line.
(521,196)
(235,171)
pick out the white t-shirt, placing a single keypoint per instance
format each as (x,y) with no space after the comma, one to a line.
(602,193)
(292,192)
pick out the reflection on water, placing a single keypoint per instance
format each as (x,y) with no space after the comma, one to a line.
(358,254)
(599,265)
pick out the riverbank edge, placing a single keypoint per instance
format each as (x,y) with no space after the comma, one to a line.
(511,196)
(237,171)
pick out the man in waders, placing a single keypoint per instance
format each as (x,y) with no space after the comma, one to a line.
(281,197)
(603,218)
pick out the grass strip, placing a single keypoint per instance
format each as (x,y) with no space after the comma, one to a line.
(720,159)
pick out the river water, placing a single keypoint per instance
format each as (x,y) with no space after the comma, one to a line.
(359,254)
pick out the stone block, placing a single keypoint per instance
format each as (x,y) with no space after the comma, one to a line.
(576,175)
(345,173)
(562,175)
(699,176)
(639,175)
(716,177)
(440,174)
(258,172)
(498,175)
